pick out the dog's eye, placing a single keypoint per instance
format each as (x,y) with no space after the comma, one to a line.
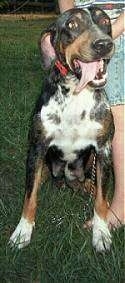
(104,21)
(73,24)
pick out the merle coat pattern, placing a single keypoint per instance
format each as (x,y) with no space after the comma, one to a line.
(72,118)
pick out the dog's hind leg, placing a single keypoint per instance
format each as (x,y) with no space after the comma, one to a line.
(36,174)
(101,233)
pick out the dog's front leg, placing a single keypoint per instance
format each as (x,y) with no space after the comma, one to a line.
(36,174)
(101,233)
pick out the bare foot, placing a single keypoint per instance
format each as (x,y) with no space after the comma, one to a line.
(116,215)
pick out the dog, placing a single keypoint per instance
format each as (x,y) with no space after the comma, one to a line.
(72,118)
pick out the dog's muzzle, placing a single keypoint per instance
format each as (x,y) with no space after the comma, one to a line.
(92,69)
(94,72)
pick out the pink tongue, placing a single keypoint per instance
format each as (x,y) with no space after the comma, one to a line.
(89,71)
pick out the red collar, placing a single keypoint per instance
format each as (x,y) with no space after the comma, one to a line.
(63,70)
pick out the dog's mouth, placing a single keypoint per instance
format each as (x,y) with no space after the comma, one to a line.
(92,73)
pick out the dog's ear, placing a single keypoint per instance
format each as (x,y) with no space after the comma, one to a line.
(46,45)
(100,18)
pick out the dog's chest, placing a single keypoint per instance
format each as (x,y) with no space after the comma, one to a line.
(67,122)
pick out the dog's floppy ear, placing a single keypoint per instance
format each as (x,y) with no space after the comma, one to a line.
(100,18)
(46,45)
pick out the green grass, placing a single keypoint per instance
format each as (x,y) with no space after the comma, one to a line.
(60,250)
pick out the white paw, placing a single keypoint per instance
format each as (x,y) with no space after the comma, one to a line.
(101,235)
(22,235)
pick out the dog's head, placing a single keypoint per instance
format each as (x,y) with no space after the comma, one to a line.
(81,39)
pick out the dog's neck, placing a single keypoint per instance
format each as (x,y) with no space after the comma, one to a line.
(70,78)
(64,69)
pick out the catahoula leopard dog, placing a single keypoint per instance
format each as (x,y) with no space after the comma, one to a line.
(72,118)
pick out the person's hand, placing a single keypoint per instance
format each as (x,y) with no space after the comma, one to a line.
(118,26)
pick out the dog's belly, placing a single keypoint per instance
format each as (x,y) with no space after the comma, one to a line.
(68,124)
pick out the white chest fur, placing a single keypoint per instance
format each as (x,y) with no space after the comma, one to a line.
(67,121)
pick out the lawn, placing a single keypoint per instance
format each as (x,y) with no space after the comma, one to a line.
(60,250)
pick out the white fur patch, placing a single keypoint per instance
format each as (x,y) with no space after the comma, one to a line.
(22,234)
(72,133)
(101,235)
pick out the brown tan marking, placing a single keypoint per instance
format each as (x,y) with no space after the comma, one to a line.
(30,203)
(98,12)
(80,47)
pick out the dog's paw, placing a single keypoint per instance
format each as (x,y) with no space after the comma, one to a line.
(22,235)
(101,235)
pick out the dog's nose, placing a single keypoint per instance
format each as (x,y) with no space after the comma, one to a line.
(102,46)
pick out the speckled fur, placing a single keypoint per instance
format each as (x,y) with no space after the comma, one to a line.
(68,127)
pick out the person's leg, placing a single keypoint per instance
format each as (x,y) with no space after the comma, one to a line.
(115,93)
(116,214)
